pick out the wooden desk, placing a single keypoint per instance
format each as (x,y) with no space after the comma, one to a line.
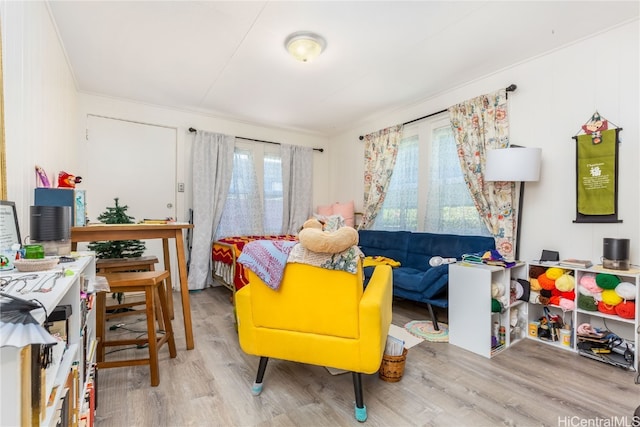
(108,232)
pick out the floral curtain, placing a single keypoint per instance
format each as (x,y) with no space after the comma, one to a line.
(480,124)
(381,150)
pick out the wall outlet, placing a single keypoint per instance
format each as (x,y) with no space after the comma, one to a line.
(181,187)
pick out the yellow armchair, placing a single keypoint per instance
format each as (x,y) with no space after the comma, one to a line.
(320,317)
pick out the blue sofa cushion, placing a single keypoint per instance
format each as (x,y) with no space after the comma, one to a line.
(423,246)
(391,244)
(415,279)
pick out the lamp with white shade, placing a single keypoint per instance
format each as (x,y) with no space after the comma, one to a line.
(514,164)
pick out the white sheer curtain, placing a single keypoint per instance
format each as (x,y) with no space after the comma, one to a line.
(450,209)
(212,164)
(272,193)
(297,185)
(242,214)
(399,210)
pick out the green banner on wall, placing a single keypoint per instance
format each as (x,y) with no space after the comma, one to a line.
(596,174)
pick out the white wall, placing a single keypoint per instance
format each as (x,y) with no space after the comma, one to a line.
(40,102)
(45,116)
(182,121)
(556,94)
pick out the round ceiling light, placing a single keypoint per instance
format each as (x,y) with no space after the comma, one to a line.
(305,46)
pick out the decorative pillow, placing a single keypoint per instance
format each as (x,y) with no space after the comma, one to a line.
(329,223)
(325,210)
(347,211)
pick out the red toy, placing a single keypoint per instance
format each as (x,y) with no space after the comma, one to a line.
(66,180)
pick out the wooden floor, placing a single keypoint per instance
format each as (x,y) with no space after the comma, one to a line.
(530,384)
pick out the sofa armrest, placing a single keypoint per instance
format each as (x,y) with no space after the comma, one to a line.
(434,280)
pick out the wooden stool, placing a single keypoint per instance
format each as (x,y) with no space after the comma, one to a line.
(142,263)
(152,284)
(111,265)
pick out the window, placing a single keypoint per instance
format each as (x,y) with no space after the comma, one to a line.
(400,208)
(273,203)
(427,191)
(254,203)
(450,208)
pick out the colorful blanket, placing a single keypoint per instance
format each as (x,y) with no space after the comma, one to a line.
(225,252)
(345,261)
(267,258)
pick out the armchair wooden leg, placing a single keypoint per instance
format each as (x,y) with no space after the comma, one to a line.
(361,410)
(256,389)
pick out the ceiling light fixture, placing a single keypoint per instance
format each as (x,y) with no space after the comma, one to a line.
(304,45)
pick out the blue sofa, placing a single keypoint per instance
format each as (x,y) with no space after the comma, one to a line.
(415,279)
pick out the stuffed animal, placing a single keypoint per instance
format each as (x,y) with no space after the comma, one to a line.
(66,180)
(594,127)
(314,238)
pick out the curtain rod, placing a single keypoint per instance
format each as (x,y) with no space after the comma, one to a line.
(193,130)
(510,88)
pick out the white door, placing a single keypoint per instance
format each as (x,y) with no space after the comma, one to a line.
(136,163)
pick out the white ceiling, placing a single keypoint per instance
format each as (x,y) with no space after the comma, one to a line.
(227,58)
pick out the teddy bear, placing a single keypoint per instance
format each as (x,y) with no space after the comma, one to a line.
(314,238)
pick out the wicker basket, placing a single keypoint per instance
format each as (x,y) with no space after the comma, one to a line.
(392,367)
(29,265)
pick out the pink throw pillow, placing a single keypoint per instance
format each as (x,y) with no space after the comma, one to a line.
(325,210)
(347,211)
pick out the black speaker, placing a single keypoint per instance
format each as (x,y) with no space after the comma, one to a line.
(615,253)
(50,223)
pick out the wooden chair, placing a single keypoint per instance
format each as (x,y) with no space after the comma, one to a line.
(151,284)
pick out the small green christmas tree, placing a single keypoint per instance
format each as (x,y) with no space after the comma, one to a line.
(117,248)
